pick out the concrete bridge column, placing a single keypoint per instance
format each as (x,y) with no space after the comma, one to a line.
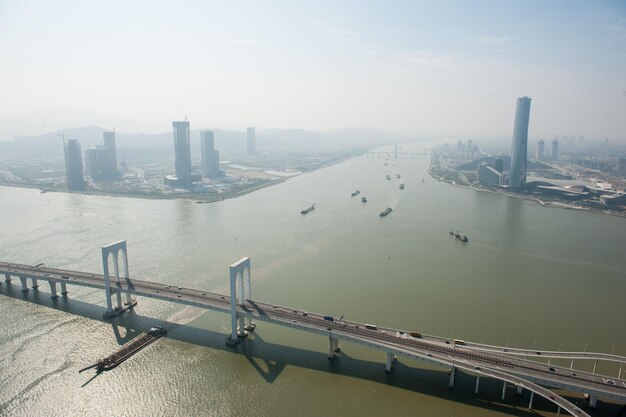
(503,390)
(7,278)
(593,401)
(520,390)
(595,364)
(63,289)
(118,287)
(530,403)
(35,284)
(332,345)
(558,411)
(391,359)
(477,383)
(53,290)
(24,284)
(452,373)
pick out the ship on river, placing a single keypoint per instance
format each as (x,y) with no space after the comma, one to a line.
(308,209)
(385,212)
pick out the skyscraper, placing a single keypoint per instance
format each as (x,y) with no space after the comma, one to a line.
(519,146)
(555,150)
(73,165)
(210,157)
(182,152)
(541,146)
(109,167)
(251,141)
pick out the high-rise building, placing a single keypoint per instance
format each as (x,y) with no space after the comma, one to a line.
(459,145)
(555,150)
(101,161)
(182,152)
(541,146)
(251,141)
(210,157)
(621,167)
(73,165)
(110,166)
(498,164)
(470,147)
(519,146)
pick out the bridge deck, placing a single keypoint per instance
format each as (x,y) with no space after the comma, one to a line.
(478,359)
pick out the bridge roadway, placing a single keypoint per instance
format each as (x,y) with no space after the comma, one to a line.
(491,361)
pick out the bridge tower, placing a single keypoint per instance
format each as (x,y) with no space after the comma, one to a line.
(114,249)
(239,273)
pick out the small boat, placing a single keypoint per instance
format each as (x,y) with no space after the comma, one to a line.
(363,199)
(43,191)
(354,194)
(402,186)
(386,164)
(397,175)
(388,177)
(385,212)
(422,179)
(451,233)
(460,237)
(308,209)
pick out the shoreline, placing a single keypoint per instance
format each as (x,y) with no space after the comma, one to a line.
(543,203)
(200,198)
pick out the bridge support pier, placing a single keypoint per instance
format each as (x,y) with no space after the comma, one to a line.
(239,271)
(530,403)
(520,390)
(115,249)
(35,284)
(24,284)
(592,401)
(391,360)
(477,384)
(63,289)
(452,373)
(558,411)
(595,364)
(333,347)
(53,290)
(7,278)
(503,390)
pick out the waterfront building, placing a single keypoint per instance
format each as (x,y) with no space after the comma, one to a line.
(110,165)
(519,146)
(210,157)
(541,145)
(101,161)
(251,141)
(489,175)
(73,165)
(555,150)
(182,152)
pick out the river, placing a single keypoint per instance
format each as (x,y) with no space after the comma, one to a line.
(530,275)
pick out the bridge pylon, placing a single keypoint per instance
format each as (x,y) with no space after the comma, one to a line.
(240,274)
(114,249)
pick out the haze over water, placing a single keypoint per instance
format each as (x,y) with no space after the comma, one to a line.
(529,274)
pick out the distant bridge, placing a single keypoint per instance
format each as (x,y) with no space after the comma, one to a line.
(395,153)
(509,365)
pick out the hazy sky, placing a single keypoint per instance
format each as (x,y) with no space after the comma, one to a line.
(423,67)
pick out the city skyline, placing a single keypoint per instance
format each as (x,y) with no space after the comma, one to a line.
(323,67)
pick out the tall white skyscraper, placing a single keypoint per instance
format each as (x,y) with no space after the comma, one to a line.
(519,146)
(251,141)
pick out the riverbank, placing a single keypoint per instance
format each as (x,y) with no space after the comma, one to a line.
(541,202)
(200,197)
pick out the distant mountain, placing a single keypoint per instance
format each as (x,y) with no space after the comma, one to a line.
(274,140)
